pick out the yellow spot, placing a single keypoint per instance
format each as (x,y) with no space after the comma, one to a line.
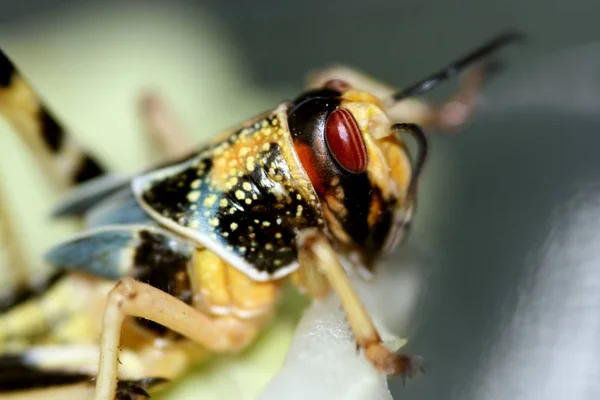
(266,223)
(247,186)
(233,226)
(194,224)
(266,146)
(239,194)
(213,222)
(278,235)
(244,151)
(299,211)
(278,221)
(195,184)
(232,210)
(193,196)
(223,202)
(250,163)
(269,246)
(210,200)
(248,201)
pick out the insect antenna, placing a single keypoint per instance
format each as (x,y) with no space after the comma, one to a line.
(458,66)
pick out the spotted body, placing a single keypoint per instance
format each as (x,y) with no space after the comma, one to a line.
(245,198)
(190,256)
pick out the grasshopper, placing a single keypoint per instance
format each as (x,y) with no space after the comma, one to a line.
(188,258)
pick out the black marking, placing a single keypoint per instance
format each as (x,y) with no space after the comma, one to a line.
(267,228)
(53,134)
(380,229)
(29,292)
(307,119)
(168,197)
(159,265)
(132,390)
(7,70)
(88,170)
(16,374)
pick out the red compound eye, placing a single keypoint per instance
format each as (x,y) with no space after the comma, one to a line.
(345,141)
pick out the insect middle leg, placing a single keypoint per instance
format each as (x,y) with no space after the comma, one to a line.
(319,266)
(164,128)
(137,299)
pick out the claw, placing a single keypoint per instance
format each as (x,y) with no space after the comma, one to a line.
(136,390)
(393,364)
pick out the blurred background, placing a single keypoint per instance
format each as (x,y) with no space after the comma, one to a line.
(509,212)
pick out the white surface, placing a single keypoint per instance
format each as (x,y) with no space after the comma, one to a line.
(322,362)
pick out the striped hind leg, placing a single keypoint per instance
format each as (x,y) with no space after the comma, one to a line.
(63,160)
(58,153)
(68,373)
(55,148)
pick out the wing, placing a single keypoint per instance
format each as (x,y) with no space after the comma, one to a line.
(120,208)
(85,196)
(82,198)
(115,251)
(244,198)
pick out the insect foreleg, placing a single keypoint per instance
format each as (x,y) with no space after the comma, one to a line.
(316,252)
(137,299)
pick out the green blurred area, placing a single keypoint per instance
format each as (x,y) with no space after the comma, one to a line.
(90,65)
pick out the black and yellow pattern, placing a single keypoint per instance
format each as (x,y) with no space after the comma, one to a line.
(58,152)
(244,198)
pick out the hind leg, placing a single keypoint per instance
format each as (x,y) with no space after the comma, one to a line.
(68,372)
